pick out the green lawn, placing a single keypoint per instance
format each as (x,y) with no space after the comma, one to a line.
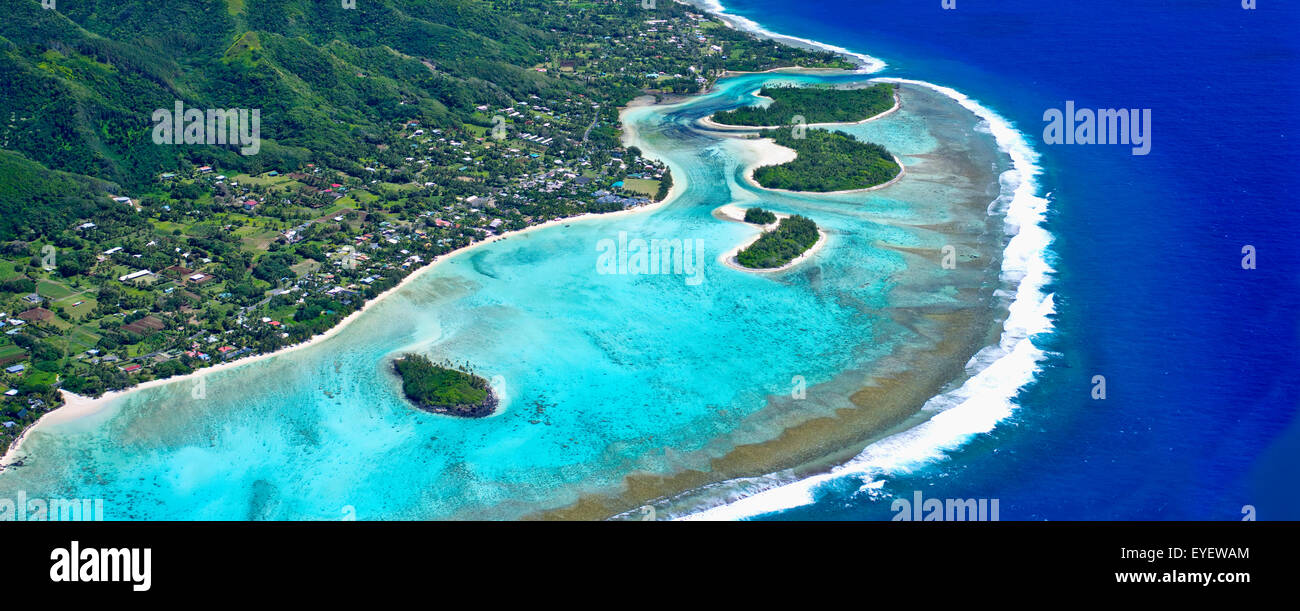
(167,227)
(263,180)
(305,266)
(648,186)
(10,353)
(66,345)
(257,238)
(340,205)
(84,335)
(52,290)
(9,269)
(41,377)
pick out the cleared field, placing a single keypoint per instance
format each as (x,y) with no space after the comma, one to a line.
(81,311)
(167,227)
(306,266)
(10,353)
(52,290)
(59,323)
(263,180)
(340,205)
(9,269)
(259,239)
(65,345)
(42,377)
(647,186)
(84,335)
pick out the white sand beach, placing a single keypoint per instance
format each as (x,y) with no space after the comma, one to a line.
(77,406)
(767,152)
(709,123)
(733,213)
(773,158)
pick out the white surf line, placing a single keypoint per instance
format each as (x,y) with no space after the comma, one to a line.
(997,372)
(867,62)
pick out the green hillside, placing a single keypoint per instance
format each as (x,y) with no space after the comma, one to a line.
(325,79)
(389,135)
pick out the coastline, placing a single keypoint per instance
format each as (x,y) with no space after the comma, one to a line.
(709,123)
(973,400)
(866,63)
(77,406)
(973,396)
(903,391)
(728,213)
(770,153)
(795,68)
(749,175)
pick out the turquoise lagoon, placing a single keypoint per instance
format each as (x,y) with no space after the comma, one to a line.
(602,375)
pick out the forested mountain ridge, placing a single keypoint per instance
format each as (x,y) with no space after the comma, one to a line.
(82,80)
(387,136)
(325,78)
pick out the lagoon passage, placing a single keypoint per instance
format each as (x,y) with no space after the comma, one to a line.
(601,377)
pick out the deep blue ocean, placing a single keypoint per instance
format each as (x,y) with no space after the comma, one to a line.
(1200,356)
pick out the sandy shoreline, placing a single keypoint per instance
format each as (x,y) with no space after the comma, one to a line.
(709,123)
(736,214)
(864,62)
(731,73)
(79,406)
(881,405)
(770,153)
(885,402)
(770,158)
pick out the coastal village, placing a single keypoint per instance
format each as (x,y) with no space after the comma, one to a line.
(207,264)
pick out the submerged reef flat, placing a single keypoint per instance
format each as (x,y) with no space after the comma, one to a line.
(617,390)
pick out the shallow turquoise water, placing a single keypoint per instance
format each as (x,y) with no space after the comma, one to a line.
(602,374)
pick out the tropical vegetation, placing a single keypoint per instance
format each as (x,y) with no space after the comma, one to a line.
(443,388)
(813,105)
(827,161)
(759,216)
(791,238)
